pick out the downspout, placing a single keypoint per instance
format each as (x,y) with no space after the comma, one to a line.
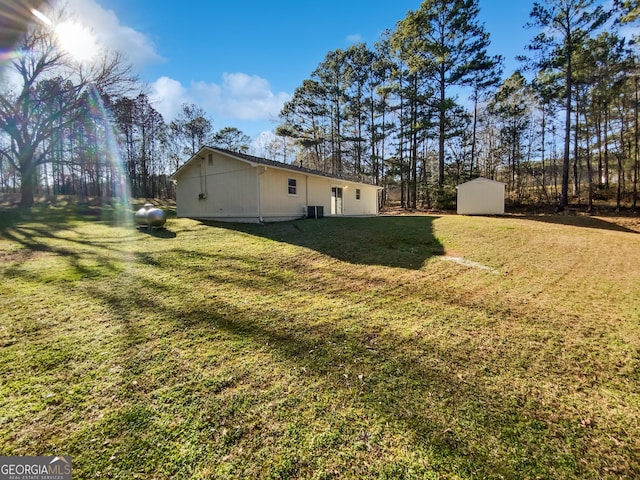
(344,196)
(202,174)
(259,171)
(306,195)
(206,191)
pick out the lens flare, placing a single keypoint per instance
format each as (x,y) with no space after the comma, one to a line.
(41,16)
(119,191)
(8,55)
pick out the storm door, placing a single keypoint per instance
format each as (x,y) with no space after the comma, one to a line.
(336,201)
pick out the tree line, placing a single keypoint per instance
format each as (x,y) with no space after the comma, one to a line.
(422,110)
(427,107)
(78,128)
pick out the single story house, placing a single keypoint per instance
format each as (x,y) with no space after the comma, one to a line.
(218,184)
(481,196)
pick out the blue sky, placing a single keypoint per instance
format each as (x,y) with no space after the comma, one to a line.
(240,61)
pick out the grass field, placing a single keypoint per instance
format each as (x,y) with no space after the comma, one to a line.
(438,347)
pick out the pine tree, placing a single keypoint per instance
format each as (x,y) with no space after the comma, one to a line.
(443,40)
(564,25)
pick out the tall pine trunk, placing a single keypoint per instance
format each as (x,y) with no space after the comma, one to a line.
(588,160)
(564,189)
(441,126)
(636,165)
(619,155)
(606,146)
(576,153)
(474,133)
(542,153)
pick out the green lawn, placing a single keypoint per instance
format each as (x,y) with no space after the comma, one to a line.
(331,348)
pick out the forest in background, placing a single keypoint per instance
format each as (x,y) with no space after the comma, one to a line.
(419,112)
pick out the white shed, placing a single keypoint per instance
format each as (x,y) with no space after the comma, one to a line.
(481,197)
(218,184)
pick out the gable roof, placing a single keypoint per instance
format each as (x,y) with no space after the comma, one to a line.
(482,180)
(263,161)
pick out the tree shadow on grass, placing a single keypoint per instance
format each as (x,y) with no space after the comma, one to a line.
(414,384)
(428,402)
(411,383)
(55,232)
(583,221)
(57,216)
(403,242)
(398,384)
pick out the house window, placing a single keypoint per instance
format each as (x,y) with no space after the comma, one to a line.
(210,159)
(293,186)
(357,194)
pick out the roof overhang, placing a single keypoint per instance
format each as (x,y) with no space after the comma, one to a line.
(199,155)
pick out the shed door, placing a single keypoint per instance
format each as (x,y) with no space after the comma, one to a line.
(336,201)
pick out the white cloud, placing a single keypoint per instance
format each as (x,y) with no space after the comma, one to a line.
(106,26)
(354,38)
(260,145)
(238,97)
(167,95)
(241,96)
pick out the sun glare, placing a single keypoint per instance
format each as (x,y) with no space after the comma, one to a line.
(41,16)
(77,41)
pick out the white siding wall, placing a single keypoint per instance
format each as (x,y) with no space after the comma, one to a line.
(187,203)
(481,197)
(368,203)
(231,189)
(241,192)
(275,201)
(320,194)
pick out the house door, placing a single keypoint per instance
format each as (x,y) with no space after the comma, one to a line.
(336,201)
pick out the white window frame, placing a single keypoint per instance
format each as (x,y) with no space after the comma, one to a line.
(293,186)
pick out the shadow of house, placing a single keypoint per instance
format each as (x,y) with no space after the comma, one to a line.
(402,242)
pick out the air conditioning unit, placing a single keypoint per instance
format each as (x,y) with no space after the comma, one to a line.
(202,196)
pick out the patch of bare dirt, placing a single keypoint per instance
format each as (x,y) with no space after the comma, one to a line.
(20,255)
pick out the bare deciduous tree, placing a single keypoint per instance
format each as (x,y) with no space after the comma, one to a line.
(47,92)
